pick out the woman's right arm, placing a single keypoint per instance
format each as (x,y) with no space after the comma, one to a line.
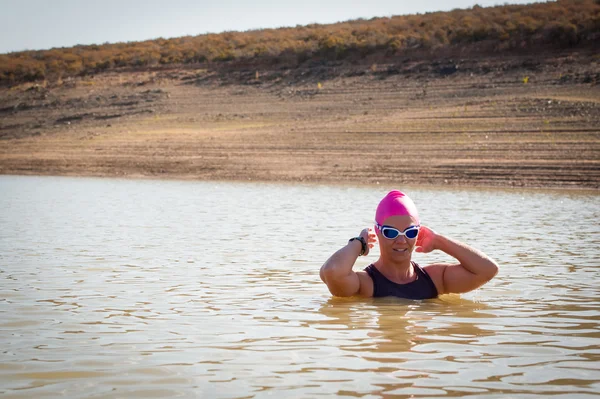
(337,271)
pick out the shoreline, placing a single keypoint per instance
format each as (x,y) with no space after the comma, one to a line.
(331,183)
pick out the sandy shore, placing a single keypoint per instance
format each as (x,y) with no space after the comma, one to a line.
(519,127)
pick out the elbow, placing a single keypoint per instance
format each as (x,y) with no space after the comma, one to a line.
(334,282)
(327,273)
(491,270)
(485,272)
(322,274)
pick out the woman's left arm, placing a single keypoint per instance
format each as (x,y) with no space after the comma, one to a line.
(473,270)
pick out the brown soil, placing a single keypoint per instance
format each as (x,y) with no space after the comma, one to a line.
(511,121)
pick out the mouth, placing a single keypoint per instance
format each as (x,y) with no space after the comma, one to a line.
(401,250)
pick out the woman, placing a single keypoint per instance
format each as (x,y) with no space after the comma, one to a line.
(399,231)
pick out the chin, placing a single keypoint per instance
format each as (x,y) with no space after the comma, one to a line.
(401,255)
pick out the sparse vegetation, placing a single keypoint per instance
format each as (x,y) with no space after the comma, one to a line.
(560,24)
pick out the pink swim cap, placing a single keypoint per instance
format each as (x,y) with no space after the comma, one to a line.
(396,203)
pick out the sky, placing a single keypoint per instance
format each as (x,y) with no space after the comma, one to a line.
(44,24)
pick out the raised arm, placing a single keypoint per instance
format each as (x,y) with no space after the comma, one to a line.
(337,272)
(473,270)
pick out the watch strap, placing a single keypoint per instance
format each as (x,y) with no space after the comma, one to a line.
(363,244)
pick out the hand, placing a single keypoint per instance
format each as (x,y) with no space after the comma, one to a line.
(426,240)
(370,238)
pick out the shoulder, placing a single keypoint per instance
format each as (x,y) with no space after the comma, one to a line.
(436,273)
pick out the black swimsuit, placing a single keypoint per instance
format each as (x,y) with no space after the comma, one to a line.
(421,288)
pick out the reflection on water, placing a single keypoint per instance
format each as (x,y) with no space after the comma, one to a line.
(116,288)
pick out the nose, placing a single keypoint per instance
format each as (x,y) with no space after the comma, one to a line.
(400,238)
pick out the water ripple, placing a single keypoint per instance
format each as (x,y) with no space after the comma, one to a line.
(117,288)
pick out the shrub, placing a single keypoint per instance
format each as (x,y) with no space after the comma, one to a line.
(504,27)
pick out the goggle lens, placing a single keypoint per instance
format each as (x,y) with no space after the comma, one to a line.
(411,233)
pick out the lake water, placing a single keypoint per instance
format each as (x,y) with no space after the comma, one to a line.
(149,288)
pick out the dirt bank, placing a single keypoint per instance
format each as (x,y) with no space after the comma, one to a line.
(512,121)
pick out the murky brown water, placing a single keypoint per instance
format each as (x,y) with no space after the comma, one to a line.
(116,288)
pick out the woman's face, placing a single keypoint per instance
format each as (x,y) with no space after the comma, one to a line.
(400,248)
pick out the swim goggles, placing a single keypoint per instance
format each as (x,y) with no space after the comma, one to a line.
(391,233)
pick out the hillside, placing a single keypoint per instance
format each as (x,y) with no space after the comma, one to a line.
(512,29)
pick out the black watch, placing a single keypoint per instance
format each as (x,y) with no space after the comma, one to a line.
(363,244)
